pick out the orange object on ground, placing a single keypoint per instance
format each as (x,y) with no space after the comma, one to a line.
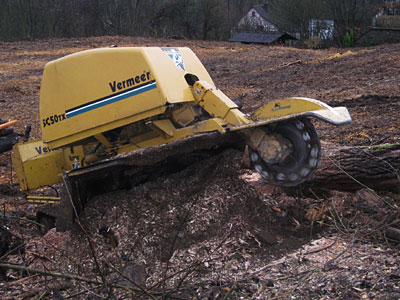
(10,123)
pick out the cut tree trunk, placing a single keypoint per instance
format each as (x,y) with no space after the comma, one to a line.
(353,168)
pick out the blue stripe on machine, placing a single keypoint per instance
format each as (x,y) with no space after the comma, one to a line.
(112,99)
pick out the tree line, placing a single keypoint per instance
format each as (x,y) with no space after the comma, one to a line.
(348,15)
(192,19)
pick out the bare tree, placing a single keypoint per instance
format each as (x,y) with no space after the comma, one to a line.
(295,15)
(352,15)
(209,15)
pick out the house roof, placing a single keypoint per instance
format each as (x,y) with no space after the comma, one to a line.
(260,37)
(264,12)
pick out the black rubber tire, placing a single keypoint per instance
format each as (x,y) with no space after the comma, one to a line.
(303,160)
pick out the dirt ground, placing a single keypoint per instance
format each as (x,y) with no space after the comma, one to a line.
(214,230)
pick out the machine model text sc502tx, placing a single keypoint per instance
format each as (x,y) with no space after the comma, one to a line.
(97,105)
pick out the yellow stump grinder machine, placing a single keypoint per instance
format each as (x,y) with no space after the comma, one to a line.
(98,106)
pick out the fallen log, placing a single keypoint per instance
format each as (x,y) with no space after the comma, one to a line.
(349,168)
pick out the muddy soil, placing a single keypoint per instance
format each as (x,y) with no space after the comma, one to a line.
(214,230)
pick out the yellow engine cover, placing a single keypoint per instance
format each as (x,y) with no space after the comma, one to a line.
(93,91)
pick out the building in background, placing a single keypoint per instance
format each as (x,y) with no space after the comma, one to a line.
(257,27)
(385,26)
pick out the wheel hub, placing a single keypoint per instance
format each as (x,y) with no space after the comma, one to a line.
(274,148)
